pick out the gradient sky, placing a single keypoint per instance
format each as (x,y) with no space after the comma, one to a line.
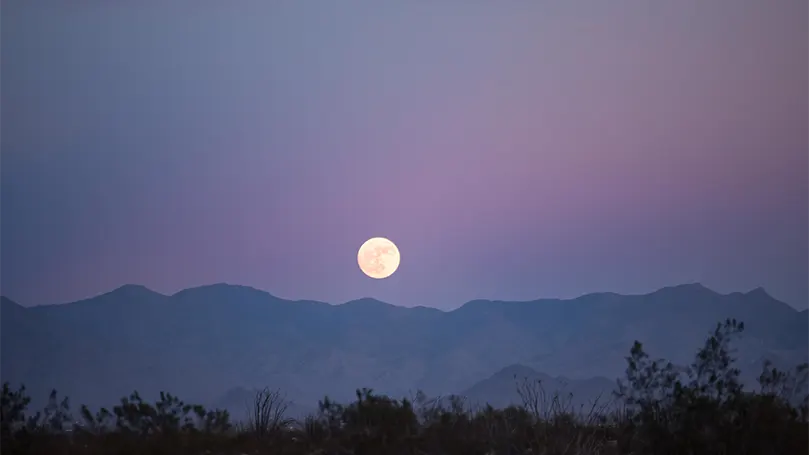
(512,150)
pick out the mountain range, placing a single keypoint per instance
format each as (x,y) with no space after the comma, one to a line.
(519,384)
(213,344)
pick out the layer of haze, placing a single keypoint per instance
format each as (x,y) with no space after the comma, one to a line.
(512,150)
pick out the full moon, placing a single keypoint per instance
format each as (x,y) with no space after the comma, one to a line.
(378,257)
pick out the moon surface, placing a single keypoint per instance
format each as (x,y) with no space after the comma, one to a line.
(378,257)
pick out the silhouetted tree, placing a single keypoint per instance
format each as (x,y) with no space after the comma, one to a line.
(12,410)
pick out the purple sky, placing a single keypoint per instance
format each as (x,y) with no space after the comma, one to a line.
(512,150)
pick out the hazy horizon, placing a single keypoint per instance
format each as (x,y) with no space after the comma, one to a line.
(511,151)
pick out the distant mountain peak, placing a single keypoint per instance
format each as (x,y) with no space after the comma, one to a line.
(132,288)
(221,288)
(519,370)
(690,288)
(477,303)
(10,311)
(761,297)
(759,292)
(366,302)
(133,291)
(590,295)
(5,301)
(695,286)
(128,294)
(503,387)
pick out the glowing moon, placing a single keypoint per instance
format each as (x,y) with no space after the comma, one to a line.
(378,257)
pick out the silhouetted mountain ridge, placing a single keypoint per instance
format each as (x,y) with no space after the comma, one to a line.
(223,292)
(367,302)
(6,304)
(203,341)
(687,288)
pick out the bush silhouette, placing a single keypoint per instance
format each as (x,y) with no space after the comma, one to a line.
(701,408)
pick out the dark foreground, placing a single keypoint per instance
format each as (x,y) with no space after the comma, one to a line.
(657,409)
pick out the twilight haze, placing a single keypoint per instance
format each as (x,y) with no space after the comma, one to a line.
(512,150)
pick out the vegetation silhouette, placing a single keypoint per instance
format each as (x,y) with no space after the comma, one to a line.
(662,409)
